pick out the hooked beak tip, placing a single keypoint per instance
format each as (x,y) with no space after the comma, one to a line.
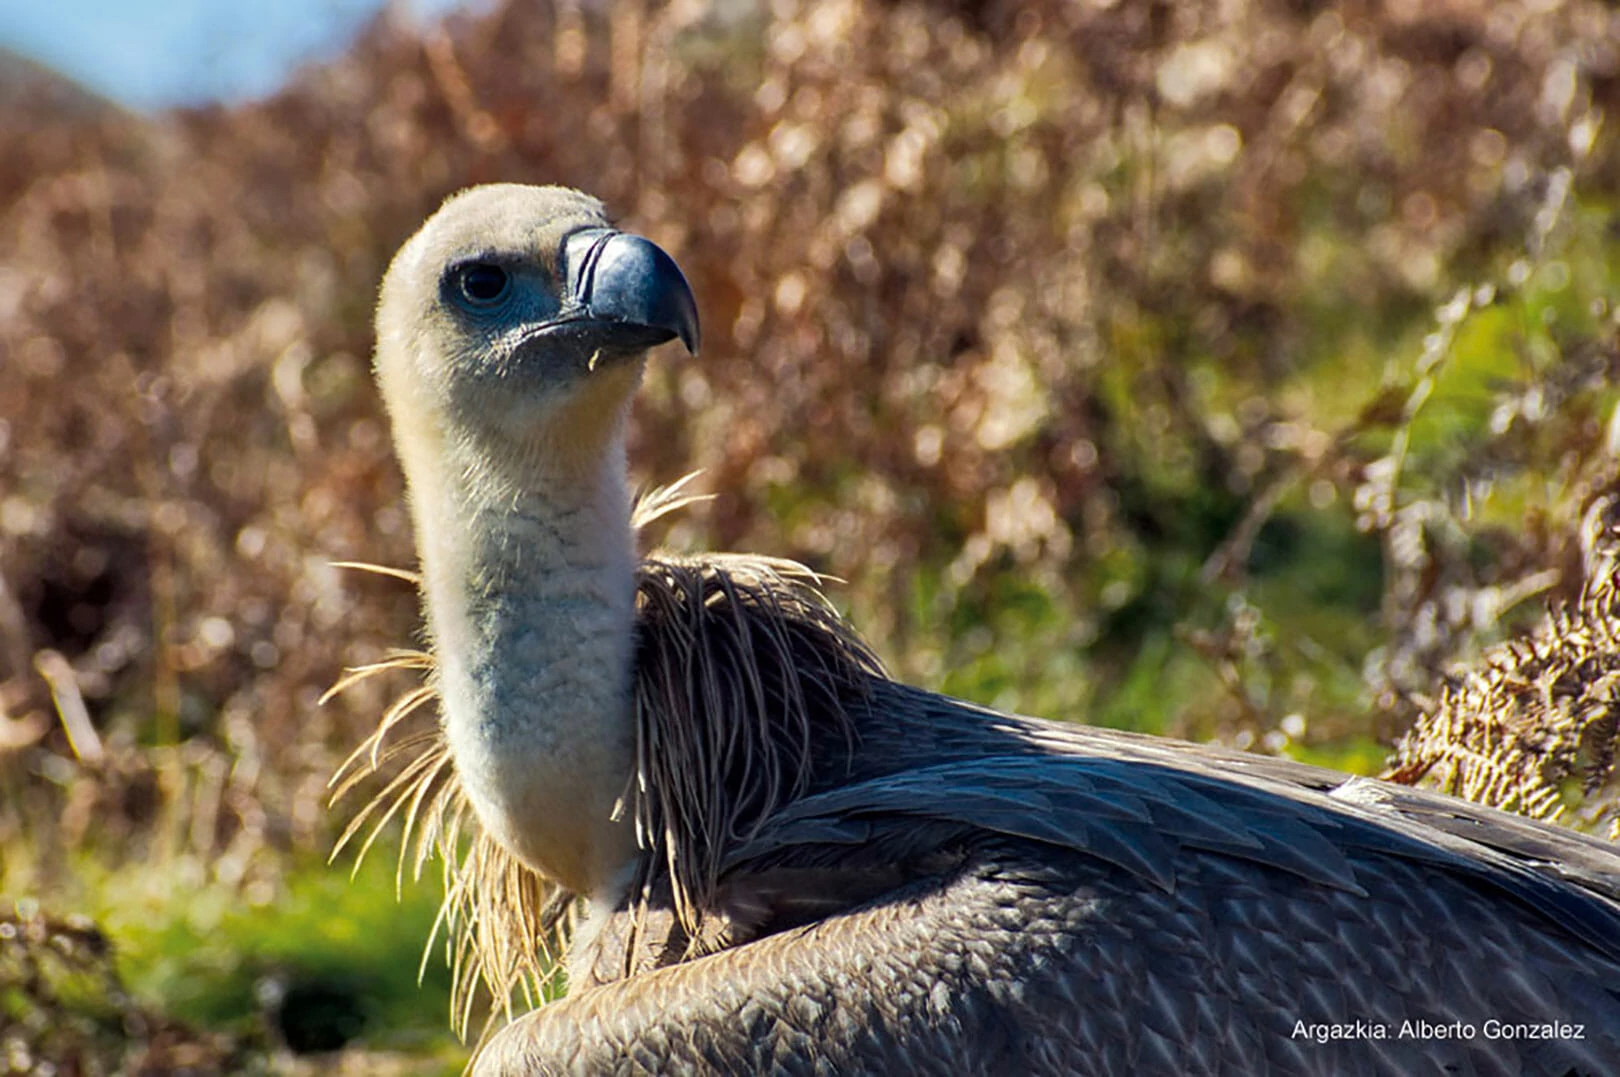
(623,279)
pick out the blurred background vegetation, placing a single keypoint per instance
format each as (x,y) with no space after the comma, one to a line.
(1236,371)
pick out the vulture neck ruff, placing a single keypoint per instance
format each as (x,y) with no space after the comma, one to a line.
(732,650)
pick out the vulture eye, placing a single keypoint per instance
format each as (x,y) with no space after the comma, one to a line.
(482,284)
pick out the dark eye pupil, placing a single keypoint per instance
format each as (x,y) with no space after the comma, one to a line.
(483,283)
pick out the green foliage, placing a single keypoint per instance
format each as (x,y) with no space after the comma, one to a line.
(319,962)
(221,959)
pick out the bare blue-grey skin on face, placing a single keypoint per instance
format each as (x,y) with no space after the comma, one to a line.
(796,865)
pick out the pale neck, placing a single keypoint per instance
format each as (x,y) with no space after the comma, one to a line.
(530,588)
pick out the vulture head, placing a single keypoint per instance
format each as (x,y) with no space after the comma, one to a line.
(515,321)
(511,332)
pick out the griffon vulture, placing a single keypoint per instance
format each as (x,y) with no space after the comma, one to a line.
(769,858)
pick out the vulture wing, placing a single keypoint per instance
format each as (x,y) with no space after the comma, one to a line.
(992,894)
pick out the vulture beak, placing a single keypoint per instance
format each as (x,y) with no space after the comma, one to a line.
(628,290)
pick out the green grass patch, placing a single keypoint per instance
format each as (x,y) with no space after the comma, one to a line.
(317,960)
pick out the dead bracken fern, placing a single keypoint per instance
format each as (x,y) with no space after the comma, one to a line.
(743,668)
(1535,726)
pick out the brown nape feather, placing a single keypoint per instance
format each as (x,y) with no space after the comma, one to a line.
(743,672)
